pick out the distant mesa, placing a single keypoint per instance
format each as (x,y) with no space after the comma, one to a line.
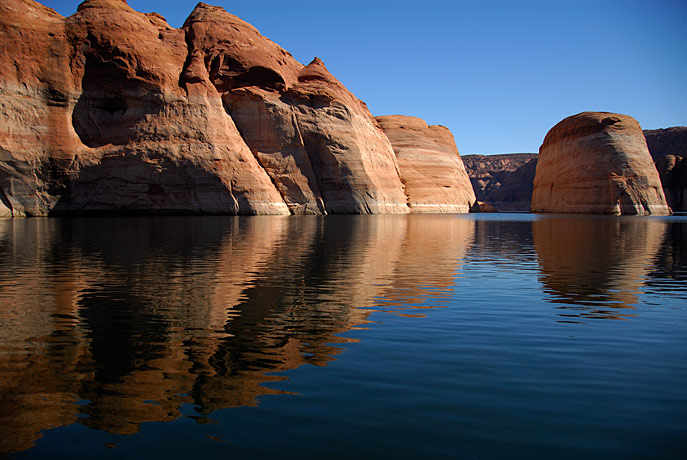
(503,181)
(597,163)
(212,118)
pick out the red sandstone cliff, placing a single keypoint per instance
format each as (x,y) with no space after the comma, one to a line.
(97,119)
(431,169)
(623,179)
(114,111)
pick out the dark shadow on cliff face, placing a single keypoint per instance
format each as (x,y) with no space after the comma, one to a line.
(595,267)
(111,104)
(128,184)
(270,129)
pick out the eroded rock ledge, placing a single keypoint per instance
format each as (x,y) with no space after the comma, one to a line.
(114,111)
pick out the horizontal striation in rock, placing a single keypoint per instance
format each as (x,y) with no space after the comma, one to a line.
(597,163)
(431,168)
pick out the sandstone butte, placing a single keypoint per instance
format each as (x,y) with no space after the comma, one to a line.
(597,163)
(113,111)
(431,169)
(505,181)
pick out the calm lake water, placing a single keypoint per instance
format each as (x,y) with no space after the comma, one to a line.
(462,336)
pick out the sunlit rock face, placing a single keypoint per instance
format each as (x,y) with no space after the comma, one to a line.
(597,163)
(431,169)
(317,141)
(109,124)
(212,118)
(595,268)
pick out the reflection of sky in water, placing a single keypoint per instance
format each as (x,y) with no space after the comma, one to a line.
(137,320)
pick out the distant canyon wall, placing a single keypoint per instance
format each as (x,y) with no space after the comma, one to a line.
(506,180)
(212,118)
(503,181)
(668,148)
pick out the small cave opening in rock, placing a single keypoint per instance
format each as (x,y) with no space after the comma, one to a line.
(226,77)
(260,76)
(107,110)
(113,105)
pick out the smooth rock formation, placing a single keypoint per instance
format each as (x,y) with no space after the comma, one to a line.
(504,181)
(597,163)
(109,126)
(431,169)
(319,143)
(114,111)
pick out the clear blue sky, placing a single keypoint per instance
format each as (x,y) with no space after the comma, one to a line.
(499,74)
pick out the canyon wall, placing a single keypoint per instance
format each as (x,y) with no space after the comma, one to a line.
(114,111)
(503,181)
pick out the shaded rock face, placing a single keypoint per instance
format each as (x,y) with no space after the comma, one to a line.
(481,206)
(597,163)
(667,141)
(431,169)
(515,193)
(489,173)
(668,147)
(210,118)
(673,172)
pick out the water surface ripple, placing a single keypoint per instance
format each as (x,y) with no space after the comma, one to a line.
(462,336)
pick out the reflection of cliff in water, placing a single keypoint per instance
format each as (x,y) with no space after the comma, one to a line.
(595,267)
(132,318)
(669,268)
